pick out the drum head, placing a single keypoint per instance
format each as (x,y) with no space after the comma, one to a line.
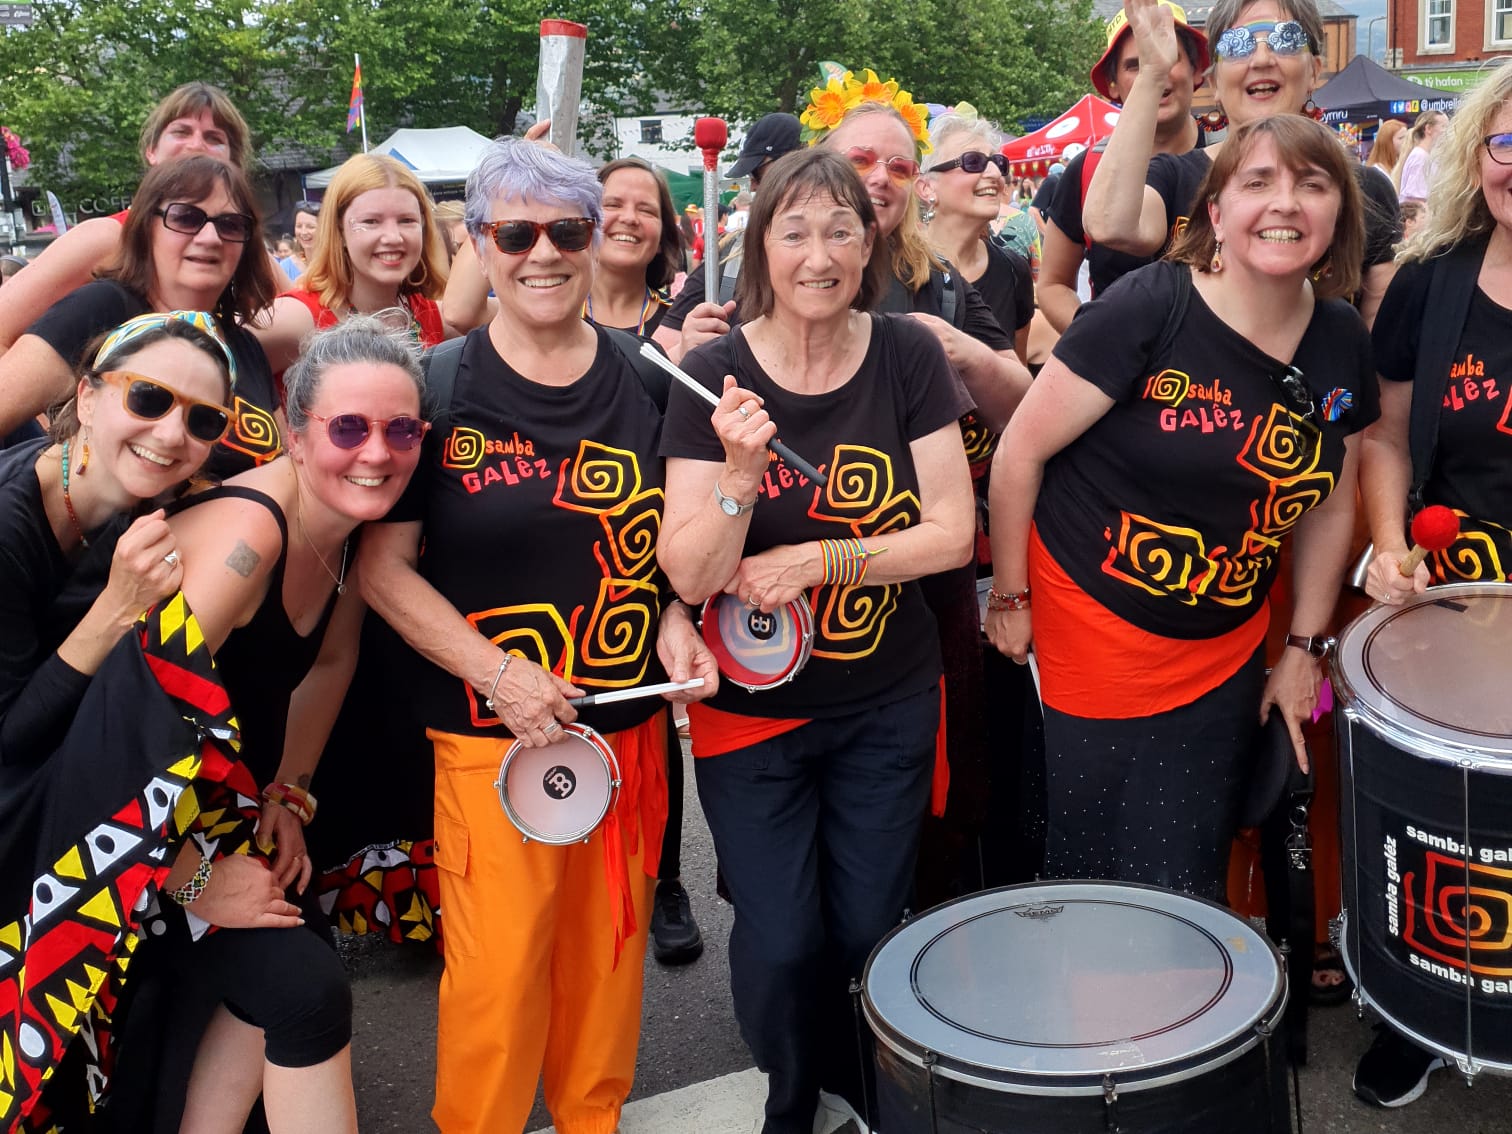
(559,794)
(754,649)
(1433,674)
(1072,981)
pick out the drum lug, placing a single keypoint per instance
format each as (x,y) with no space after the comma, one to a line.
(1110,1104)
(1467,1068)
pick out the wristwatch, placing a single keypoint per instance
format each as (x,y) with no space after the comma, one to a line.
(1317,647)
(729,505)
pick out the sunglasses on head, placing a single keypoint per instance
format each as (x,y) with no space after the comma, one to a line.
(1286,38)
(973,162)
(149,400)
(312,207)
(902,170)
(516,237)
(234,228)
(351,430)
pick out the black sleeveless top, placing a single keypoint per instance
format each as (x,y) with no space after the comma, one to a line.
(263,662)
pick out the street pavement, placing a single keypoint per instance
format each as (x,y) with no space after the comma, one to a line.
(694,1074)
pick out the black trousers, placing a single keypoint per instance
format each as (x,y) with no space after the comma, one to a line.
(817,831)
(1153,799)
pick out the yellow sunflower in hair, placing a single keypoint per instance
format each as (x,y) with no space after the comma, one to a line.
(828,104)
(916,114)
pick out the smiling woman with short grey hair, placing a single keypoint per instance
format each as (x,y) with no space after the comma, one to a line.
(538,501)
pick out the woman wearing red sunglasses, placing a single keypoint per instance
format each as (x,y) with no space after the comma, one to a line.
(190,243)
(537,506)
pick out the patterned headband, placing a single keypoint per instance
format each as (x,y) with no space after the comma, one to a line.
(133,329)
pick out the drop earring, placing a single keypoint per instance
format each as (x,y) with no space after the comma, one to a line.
(1215,265)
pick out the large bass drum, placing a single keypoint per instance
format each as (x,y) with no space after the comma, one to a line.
(1425,746)
(1074,1008)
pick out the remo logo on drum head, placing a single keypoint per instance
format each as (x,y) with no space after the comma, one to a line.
(754,648)
(559,794)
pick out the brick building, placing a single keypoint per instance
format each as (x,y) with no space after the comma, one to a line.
(1445,43)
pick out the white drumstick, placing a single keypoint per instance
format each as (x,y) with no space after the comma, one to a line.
(1034,673)
(691,383)
(632,694)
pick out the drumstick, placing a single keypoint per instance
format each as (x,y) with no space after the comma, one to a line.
(693,384)
(632,694)
(1435,528)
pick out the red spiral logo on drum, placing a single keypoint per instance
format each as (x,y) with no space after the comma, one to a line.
(1443,918)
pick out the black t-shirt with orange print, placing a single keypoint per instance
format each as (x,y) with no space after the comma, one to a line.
(541,507)
(1472,466)
(872,644)
(1170,510)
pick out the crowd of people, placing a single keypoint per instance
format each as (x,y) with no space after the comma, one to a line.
(364,508)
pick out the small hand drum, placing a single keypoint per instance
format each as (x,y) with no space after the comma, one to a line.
(559,794)
(754,649)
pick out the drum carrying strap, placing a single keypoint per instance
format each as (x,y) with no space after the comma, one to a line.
(1451,287)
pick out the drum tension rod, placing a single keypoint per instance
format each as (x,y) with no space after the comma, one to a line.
(1110,1104)
(930,1059)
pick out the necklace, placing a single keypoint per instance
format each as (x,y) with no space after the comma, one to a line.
(339,580)
(68,501)
(648,305)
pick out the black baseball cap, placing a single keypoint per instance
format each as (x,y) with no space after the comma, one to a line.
(770,137)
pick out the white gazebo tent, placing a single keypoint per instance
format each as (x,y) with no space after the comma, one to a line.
(439,156)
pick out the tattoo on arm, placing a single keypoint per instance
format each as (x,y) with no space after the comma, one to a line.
(304,782)
(243,560)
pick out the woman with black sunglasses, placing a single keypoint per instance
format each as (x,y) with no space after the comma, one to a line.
(190,243)
(521,567)
(1194,416)
(1442,436)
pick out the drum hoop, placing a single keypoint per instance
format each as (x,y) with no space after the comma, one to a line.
(1039,1083)
(596,743)
(1058,1084)
(1358,701)
(749,679)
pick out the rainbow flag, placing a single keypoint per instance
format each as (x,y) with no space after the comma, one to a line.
(354,108)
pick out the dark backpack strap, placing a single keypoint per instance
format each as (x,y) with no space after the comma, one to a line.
(950,298)
(1451,287)
(440,365)
(656,380)
(729,272)
(442,362)
(1179,303)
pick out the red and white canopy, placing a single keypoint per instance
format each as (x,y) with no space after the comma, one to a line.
(1087,123)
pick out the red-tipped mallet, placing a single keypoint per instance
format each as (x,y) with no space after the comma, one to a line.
(1433,529)
(710,136)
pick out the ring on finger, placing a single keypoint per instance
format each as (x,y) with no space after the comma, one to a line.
(551,728)
(172,558)
(744,413)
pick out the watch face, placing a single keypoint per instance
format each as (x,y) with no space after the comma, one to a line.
(729,506)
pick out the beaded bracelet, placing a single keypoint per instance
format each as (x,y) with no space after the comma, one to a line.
(192,889)
(1008,600)
(293,798)
(845,560)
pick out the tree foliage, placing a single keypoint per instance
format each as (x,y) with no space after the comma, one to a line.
(80,81)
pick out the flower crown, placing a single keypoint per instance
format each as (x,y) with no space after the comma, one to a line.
(843,92)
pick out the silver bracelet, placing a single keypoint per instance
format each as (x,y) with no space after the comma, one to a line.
(494,688)
(192,889)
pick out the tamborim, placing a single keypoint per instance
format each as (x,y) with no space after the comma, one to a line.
(559,794)
(1425,744)
(1071,1007)
(754,649)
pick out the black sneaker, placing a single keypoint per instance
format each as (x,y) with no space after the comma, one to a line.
(1394,1072)
(674,934)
